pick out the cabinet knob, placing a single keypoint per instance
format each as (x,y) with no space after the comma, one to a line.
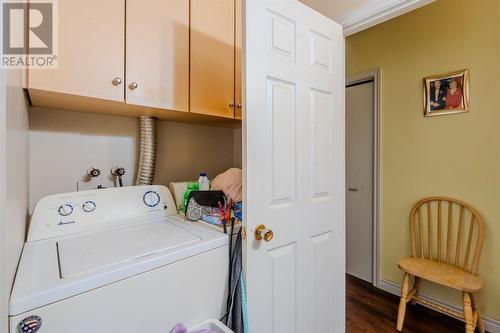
(238,105)
(231,104)
(117,81)
(133,85)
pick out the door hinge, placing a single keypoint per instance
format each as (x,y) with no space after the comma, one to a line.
(243,232)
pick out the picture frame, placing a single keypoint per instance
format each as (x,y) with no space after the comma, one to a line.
(446,93)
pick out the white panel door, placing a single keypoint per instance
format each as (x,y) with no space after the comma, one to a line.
(294,168)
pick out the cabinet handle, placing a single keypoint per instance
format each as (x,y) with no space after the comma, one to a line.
(231,104)
(117,81)
(133,85)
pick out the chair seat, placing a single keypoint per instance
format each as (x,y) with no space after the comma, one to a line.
(444,274)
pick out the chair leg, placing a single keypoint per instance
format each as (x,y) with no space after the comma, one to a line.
(402,303)
(475,306)
(416,286)
(468,314)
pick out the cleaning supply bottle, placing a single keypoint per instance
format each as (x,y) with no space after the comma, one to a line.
(191,186)
(203,183)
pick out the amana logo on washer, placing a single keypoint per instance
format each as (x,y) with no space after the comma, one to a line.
(29,324)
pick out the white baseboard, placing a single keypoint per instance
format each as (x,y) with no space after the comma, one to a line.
(491,325)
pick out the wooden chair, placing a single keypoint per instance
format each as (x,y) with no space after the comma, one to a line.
(444,251)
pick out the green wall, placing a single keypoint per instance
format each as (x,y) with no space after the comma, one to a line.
(453,155)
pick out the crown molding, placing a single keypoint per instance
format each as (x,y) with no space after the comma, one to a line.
(375,12)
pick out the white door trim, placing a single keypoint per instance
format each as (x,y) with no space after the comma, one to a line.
(374,75)
(377,11)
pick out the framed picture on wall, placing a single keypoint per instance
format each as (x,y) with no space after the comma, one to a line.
(446,93)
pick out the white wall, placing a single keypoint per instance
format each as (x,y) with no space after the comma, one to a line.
(237,147)
(64,144)
(185,150)
(17,168)
(14,164)
(3,202)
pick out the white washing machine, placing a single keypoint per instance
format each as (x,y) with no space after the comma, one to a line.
(117,260)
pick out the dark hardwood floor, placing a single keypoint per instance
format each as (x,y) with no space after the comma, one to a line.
(371,310)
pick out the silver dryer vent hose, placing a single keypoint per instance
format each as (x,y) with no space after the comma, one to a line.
(147,158)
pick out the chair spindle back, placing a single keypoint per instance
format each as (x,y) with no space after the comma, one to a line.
(447,230)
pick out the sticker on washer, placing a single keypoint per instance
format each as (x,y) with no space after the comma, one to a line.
(30,324)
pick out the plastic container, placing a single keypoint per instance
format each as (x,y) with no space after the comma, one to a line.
(203,183)
(191,186)
(213,325)
(212,219)
(238,210)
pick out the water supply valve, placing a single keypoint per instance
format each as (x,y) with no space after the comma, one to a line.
(118,172)
(93,172)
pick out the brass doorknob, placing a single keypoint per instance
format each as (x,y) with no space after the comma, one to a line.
(261,232)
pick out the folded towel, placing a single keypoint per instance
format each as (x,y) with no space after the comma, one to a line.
(230,182)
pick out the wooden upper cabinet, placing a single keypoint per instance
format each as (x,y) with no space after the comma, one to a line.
(135,57)
(157,69)
(91,37)
(238,38)
(212,57)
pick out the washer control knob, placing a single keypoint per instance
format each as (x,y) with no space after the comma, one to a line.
(88,206)
(65,210)
(151,198)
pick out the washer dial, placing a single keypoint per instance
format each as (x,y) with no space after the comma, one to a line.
(151,198)
(88,206)
(65,210)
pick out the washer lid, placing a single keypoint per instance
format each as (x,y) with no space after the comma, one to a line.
(87,253)
(54,269)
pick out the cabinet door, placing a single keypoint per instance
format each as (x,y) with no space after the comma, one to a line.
(238,98)
(157,67)
(90,52)
(212,57)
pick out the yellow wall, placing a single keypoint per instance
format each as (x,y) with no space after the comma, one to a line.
(454,155)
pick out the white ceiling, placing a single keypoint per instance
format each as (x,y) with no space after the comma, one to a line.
(357,15)
(335,8)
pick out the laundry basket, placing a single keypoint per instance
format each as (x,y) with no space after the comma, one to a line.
(212,325)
